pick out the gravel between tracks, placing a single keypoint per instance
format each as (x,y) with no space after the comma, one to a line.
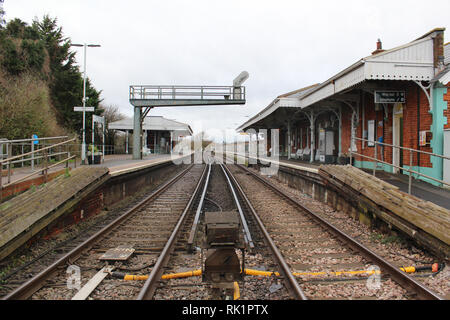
(253,288)
(394,249)
(149,222)
(55,244)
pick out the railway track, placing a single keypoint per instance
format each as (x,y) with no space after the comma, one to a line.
(41,254)
(163,234)
(218,195)
(316,251)
(144,229)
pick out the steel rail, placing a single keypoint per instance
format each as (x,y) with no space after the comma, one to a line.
(399,276)
(34,284)
(149,288)
(241,213)
(291,282)
(193,232)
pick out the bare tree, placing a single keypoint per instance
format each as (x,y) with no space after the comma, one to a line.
(111,114)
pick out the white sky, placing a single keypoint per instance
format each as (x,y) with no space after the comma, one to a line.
(284,45)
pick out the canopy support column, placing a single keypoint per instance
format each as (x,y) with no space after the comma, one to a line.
(137,134)
(289,139)
(312,120)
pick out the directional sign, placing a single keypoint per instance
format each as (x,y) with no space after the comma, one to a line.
(389,96)
(98,119)
(87,109)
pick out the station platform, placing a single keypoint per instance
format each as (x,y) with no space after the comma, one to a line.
(28,213)
(419,188)
(116,164)
(123,163)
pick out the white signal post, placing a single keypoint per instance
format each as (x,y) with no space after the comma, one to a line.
(83,145)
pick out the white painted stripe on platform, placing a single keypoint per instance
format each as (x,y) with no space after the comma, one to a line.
(147,164)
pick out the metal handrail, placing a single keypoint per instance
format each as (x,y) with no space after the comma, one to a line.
(31,139)
(36,172)
(34,151)
(38,157)
(9,161)
(395,166)
(404,148)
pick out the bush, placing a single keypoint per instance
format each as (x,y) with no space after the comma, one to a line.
(13,61)
(25,108)
(90,148)
(34,54)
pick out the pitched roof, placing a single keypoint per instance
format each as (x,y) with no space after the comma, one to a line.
(443,76)
(298,92)
(152,123)
(410,61)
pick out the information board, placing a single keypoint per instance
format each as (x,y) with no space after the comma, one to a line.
(389,96)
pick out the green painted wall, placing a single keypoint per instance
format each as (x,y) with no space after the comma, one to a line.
(437,142)
(370,164)
(437,129)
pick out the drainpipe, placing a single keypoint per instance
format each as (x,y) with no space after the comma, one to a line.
(352,131)
(126,143)
(312,120)
(363,111)
(418,128)
(340,131)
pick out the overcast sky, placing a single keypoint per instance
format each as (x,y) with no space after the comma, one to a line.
(284,45)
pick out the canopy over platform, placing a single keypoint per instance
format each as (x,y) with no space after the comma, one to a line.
(159,134)
(415,64)
(153,123)
(413,61)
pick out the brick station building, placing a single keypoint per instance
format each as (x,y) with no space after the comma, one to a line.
(397,97)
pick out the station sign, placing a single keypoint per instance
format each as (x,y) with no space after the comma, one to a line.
(81,109)
(390,96)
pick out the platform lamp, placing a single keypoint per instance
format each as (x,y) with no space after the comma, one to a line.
(83,145)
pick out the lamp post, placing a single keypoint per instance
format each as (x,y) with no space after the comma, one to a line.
(83,145)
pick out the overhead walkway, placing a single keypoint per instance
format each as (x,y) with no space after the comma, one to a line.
(149,96)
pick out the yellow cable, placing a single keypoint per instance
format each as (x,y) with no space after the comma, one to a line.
(251,272)
(237,293)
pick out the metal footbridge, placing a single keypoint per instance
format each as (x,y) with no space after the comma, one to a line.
(146,97)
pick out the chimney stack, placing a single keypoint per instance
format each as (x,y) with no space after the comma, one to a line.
(379,47)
